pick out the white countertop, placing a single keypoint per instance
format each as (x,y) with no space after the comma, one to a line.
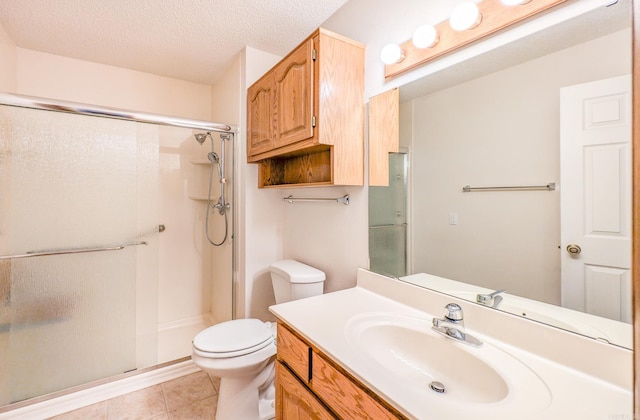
(574,394)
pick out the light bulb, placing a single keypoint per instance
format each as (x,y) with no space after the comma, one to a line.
(425,36)
(465,16)
(514,2)
(391,54)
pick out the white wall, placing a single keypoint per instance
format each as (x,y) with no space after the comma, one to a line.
(260,233)
(8,53)
(99,84)
(501,129)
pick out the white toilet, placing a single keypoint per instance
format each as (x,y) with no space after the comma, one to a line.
(242,352)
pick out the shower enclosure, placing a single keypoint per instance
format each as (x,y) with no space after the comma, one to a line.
(80,217)
(388,220)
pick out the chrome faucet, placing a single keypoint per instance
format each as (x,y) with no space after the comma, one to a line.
(492,300)
(452,325)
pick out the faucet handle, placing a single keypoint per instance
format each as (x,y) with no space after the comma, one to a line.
(483,298)
(454,312)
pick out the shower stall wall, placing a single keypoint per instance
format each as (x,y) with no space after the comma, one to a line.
(79,245)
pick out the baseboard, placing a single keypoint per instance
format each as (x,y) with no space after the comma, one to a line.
(95,394)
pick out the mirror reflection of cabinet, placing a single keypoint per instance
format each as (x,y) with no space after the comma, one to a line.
(384,134)
(305,116)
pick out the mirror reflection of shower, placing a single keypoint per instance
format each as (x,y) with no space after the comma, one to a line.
(221,205)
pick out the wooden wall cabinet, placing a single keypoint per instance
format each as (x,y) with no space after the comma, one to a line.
(310,386)
(305,117)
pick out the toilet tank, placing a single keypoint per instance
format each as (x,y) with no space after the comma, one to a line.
(294,280)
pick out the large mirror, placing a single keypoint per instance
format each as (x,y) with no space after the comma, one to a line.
(540,131)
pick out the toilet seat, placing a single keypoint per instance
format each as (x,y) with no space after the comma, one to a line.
(233,338)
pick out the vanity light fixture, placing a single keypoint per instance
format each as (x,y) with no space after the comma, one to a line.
(391,54)
(464,27)
(514,2)
(426,36)
(465,16)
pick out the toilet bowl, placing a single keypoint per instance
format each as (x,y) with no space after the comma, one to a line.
(242,352)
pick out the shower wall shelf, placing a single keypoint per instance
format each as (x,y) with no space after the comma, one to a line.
(206,162)
(344,199)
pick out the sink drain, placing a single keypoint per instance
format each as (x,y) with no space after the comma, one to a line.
(437,387)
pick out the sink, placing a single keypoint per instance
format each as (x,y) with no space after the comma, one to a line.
(408,353)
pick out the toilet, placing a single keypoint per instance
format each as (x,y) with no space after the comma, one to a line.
(242,351)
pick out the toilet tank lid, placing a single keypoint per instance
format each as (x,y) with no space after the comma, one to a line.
(297,272)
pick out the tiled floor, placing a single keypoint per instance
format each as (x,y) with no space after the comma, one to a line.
(191,397)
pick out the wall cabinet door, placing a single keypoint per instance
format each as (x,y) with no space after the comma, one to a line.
(294,96)
(305,116)
(261,116)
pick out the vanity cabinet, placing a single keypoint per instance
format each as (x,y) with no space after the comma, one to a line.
(305,117)
(310,386)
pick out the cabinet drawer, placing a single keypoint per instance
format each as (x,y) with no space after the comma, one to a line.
(294,401)
(344,397)
(294,352)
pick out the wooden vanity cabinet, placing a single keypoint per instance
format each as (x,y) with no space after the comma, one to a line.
(305,117)
(310,386)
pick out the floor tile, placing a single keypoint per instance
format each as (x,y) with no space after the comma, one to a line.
(187,390)
(94,411)
(201,410)
(138,405)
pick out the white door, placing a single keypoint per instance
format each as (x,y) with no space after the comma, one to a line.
(595,145)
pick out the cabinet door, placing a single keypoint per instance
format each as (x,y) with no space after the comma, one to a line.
(343,396)
(260,116)
(294,93)
(294,401)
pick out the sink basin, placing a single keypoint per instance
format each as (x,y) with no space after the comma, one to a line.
(407,352)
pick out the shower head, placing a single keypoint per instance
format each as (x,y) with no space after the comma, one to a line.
(213,157)
(201,137)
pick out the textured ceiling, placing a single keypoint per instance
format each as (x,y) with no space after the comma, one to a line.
(186,39)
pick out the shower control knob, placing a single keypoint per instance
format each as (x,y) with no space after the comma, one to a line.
(574,249)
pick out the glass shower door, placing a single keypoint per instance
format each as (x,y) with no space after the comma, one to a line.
(71,182)
(388,220)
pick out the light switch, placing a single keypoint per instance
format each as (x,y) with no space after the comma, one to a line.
(453,218)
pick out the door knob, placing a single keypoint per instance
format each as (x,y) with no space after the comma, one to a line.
(574,249)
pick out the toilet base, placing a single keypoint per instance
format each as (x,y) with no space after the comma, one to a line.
(248,398)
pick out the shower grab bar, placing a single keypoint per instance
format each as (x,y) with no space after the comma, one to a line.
(549,187)
(400,225)
(344,200)
(70,251)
